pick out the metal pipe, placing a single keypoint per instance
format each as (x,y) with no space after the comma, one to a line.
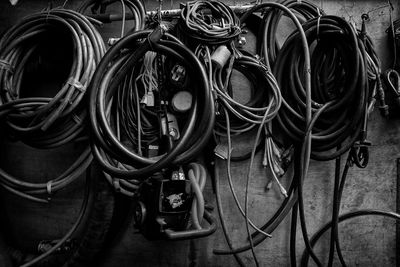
(169,14)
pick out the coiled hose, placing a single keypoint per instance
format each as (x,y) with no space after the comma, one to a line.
(119,159)
(266,29)
(208,22)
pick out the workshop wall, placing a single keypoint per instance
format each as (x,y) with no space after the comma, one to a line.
(368,241)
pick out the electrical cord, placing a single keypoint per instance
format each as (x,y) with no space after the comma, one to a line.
(267,46)
(69,234)
(291,199)
(345,217)
(335,41)
(116,158)
(209,22)
(44,122)
(85,238)
(47,122)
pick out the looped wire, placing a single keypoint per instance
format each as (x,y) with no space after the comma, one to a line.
(49,187)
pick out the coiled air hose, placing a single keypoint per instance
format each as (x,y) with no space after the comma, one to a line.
(121,160)
(44,122)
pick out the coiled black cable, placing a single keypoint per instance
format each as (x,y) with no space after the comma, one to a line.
(338,82)
(266,30)
(107,146)
(136,7)
(44,122)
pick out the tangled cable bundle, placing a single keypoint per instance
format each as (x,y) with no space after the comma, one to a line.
(339,88)
(98,9)
(44,122)
(209,22)
(111,148)
(41,121)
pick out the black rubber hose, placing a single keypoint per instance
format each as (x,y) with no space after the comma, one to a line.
(105,138)
(335,40)
(299,171)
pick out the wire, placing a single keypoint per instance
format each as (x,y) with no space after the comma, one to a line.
(345,217)
(209,22)
(117,158)
(70,233)
(43,122)
(98,12)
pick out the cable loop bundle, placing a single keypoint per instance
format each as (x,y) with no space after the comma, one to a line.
(265,97)
(339,88)
(136,7)
(209,22)
(44,122)
(122,125)
(41,121)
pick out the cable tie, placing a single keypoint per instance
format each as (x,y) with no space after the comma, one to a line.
(76,119)
(49,187)
(4,65)
(77,84)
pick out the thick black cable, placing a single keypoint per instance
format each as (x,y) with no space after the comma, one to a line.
(104,84)
(290,201)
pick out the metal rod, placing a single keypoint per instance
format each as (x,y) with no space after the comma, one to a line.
(168,14)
